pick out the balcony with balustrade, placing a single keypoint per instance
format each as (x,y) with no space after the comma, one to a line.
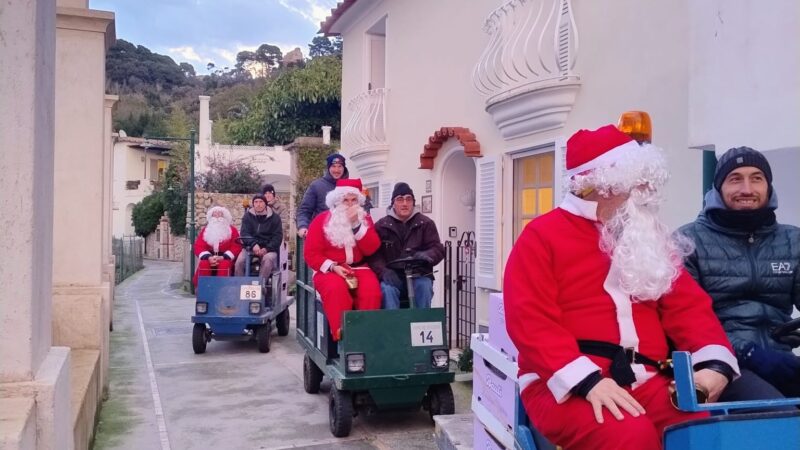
(526,71)
(364,135)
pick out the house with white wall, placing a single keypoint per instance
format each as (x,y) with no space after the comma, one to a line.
(471,103)
(273,163)
(139,164)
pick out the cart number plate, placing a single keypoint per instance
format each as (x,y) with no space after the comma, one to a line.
(426,333)
(249,292)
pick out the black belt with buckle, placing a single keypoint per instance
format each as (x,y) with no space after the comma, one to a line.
(621,360)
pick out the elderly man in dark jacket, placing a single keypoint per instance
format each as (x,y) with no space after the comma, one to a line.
(314,198)
(748,264)
(263,233)
(405,232)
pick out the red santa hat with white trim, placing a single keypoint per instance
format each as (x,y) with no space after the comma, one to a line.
(603,147)
(343,187)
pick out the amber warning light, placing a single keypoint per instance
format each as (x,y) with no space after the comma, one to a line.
(637,125)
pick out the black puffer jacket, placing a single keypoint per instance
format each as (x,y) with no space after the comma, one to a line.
(402,239)
(753,278)
(262,229)
(314,198)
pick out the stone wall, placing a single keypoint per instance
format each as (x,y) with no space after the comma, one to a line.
(162,244)
(205,200)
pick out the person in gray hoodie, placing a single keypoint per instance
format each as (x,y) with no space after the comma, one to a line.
(405,232)
(748,264)
(314,198)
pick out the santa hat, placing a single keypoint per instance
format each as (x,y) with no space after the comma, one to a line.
(603,147)
(343,187)
(225,213)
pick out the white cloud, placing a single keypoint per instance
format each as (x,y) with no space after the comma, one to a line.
(315,11)
(185,53)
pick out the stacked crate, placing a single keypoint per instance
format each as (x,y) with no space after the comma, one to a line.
(494,382)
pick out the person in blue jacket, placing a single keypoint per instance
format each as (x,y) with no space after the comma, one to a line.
(314,198)
(748,264)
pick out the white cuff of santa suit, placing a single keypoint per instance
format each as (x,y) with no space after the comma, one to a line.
(567,377)
(719,353)
(326,266)
(361,231)
(230,254)
(203,254)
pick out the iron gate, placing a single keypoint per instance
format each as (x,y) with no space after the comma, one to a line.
(463,283)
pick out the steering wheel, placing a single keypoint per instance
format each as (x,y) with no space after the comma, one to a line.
(788,333)
(246,241)
(408,262)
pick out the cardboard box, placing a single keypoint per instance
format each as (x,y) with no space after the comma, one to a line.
(498,334)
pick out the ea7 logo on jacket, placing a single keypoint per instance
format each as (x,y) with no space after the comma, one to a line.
(781,268)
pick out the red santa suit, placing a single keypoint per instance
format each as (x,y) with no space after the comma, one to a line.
(229,249)
(320,254)
(560,287)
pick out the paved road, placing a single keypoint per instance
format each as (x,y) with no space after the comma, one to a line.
(162,396)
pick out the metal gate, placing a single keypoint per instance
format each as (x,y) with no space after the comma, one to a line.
(462,285)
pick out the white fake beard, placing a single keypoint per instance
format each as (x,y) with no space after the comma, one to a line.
(338,229)
(217,231)
(648,255)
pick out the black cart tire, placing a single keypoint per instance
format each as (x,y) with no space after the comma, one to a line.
(312,375)
(263,337)
(340,412)
(282,322)
(199,338)
(441,400)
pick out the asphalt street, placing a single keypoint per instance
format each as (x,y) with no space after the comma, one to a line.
(162,396)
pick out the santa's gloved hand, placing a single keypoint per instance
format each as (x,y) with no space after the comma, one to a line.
(423,256)
(776,367)
(391,278)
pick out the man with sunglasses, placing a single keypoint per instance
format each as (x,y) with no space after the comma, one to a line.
(405,232)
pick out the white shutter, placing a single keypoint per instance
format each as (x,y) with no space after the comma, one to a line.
(385,193)
(488,188)
(560,171)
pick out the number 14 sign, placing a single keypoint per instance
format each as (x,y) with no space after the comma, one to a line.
(426,333)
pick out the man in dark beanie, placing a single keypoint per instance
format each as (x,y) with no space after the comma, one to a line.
(404,232)
(262,233)
(273,201)
(314,198)
(748,264)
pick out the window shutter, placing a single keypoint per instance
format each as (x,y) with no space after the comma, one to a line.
(560,171)
(385,193)
(488,215)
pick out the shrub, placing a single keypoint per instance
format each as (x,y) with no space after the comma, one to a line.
(147,213)
(230,177)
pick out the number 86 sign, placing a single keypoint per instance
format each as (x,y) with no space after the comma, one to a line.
(426,333)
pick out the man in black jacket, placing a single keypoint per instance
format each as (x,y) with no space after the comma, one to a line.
(314,198)
(405,232)
(261,230)
(748,264)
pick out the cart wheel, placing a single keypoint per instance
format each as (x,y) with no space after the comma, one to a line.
(199,338)
(312,375)
(441,400)
(263,336)
(340,412)
(282,322)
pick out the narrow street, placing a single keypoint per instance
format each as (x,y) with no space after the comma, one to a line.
(163,396)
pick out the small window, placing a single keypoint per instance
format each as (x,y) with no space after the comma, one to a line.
(533,188)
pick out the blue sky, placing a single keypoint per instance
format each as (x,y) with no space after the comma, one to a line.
(199,31)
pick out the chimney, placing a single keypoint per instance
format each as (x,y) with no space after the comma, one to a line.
(205,123)
(326,135)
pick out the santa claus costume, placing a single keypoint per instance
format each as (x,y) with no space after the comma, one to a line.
(333,240)
(219,238)
(573,284)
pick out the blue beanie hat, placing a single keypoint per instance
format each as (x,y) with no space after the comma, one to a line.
(335,158)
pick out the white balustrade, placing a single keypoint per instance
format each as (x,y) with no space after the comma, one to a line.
(364,136)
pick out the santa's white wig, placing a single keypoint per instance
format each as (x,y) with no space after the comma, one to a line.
(336,196)
(642,166)
(225,213)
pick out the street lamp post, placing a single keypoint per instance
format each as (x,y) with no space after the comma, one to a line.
(191,223)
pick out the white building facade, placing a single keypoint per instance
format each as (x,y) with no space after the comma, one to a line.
(471,103)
